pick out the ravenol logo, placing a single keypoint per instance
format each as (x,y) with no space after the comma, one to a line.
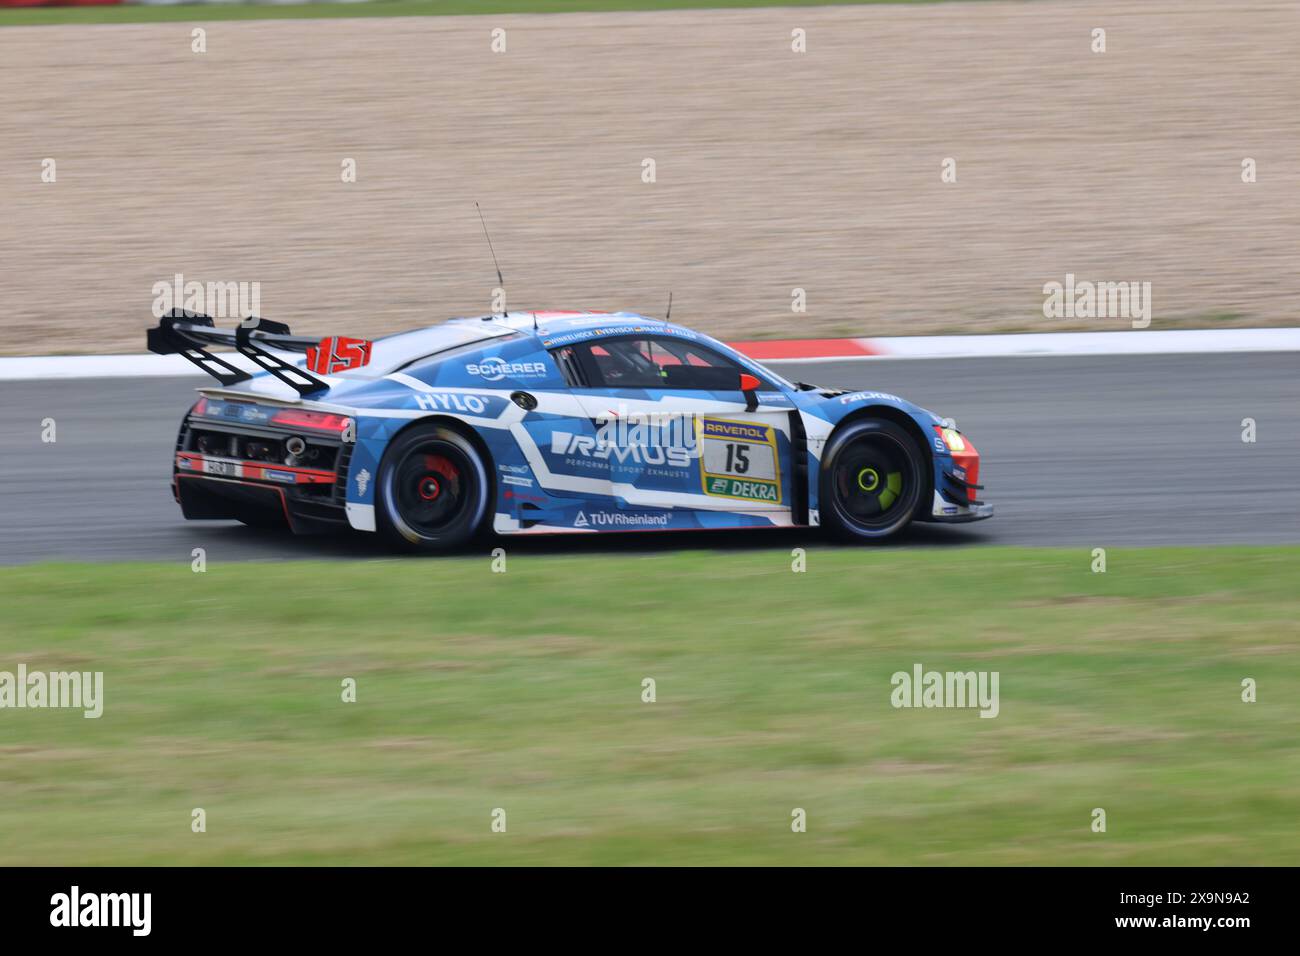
(494,369)
(736,431)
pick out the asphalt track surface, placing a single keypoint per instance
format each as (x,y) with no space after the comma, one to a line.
(1090,451)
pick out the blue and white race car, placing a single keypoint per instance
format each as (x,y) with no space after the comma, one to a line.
(547,423)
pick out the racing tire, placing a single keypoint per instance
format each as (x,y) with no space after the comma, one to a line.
(434,490)
(872,478)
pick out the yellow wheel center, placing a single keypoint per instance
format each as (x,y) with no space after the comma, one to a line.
(868,479)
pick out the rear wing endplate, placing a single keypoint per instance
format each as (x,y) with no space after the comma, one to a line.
(181,332)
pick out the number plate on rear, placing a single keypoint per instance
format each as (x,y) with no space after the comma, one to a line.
(227,468)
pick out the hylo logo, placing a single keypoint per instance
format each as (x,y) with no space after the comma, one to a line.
(452,402)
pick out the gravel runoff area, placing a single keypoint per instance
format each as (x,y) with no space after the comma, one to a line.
(775,170)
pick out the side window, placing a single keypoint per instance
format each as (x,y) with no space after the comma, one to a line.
(648,362)
(573,363)
(626,363)
(686,365)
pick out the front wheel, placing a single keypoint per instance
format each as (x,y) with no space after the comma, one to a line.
(433,489)
(872,476)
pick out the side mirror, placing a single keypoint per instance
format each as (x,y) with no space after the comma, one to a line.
(749,385)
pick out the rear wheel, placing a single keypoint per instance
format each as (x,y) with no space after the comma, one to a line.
(433,489)
(872,476)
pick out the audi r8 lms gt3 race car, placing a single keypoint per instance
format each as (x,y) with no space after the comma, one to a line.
(547,422)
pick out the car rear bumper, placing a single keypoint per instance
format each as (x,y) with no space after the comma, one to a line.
(217,477)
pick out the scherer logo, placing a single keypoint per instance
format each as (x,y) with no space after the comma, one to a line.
(363,479)
(494,369)
(619,519)
(956,689)
(221,300)
(133,910)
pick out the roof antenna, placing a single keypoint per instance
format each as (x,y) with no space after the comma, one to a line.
(670,307)
(501,283)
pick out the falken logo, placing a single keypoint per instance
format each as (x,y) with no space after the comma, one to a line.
(363,479)
(565,443)
(494,369)
(868,396)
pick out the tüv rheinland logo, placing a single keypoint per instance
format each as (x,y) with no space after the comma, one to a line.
(620,519)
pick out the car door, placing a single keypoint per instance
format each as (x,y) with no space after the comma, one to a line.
(677,431)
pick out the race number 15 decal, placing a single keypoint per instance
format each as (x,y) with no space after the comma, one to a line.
(337,354)
(738,460)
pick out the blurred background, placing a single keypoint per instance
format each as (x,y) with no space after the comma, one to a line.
(795,148)
(774,170)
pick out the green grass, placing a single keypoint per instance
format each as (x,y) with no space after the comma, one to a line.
(380,8)
(523,691)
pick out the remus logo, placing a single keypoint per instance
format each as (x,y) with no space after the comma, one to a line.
(494,369)
(103,909)
(566,443)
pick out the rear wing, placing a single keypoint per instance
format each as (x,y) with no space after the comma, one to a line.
(181,332)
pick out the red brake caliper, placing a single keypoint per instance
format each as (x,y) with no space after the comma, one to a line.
(436,466)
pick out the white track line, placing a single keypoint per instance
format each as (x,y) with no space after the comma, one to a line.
(1092,343)
(27,368)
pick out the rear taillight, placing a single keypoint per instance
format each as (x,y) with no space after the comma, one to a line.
(200,407)
(299,418)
